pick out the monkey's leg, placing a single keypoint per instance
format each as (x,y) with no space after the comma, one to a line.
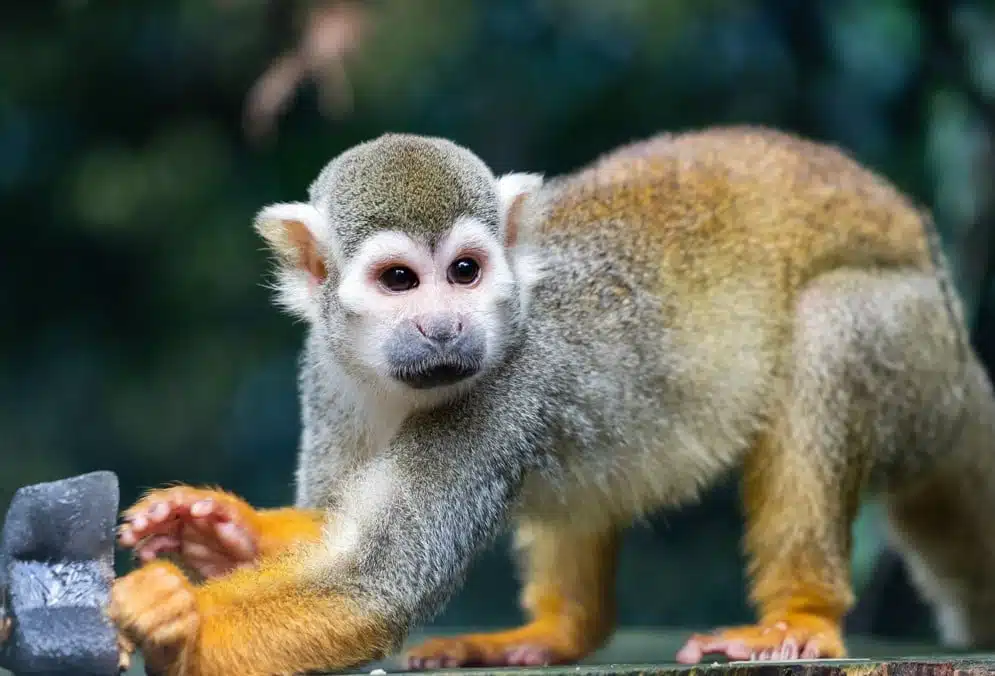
(212,532)
(805,475)
(798,540)
(943,524)
(569,594)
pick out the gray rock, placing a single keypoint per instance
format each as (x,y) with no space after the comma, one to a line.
(56,570)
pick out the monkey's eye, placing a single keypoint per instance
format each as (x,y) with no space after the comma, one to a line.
(399,278)
(463,271)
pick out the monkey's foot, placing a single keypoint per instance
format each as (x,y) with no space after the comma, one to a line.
(155,609)
(5,626)
(212,531)
(530,646)
(791,637)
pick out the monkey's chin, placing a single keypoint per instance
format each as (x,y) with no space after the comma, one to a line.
(436,375)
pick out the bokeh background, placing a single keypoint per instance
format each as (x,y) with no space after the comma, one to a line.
(138,139)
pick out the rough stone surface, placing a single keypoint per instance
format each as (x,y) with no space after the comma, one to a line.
(56,569)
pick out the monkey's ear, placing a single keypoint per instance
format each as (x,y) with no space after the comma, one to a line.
(296,233)
(513,190)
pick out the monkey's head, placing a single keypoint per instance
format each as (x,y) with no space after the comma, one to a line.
(410,259)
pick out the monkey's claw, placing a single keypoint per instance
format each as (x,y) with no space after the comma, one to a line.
(125,650)
(155,609)
(210,530)
(791,638)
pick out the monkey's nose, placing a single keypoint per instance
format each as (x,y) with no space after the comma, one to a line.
(439,328)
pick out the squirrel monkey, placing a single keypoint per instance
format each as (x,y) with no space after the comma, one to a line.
(561,356)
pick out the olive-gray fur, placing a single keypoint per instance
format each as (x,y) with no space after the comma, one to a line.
(702,294)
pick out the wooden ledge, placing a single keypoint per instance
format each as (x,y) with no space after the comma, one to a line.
(650,652)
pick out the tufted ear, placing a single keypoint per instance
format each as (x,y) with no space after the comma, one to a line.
(513,189)
(296,233)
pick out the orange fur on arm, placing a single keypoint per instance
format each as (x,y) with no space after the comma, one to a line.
(281,618)
(281,528)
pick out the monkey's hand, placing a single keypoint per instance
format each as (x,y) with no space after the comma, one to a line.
(155,609)
(790,637)
(212,531)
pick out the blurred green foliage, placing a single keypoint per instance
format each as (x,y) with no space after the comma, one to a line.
(136,329)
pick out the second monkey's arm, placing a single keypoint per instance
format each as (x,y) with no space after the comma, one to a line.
(410,526)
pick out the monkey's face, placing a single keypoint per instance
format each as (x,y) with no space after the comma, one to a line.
(429,315)
(410,261)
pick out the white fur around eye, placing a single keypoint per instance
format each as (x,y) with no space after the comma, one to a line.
(504,266)
(357,292)
(469,235)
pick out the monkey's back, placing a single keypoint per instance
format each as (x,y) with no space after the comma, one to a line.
(728,198)
(676,262)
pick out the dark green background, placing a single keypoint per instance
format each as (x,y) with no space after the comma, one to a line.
(135,330)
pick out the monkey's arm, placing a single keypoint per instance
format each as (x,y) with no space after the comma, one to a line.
(283,527)
(411,524)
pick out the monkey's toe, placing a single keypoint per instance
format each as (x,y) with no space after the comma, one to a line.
(791,638)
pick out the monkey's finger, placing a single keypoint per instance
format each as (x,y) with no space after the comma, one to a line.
(208,560)
(224,540)
(790,650)
(691,653)
(159,512)
(222,530)
(159,521)
(207,507)
(207,513)
(238,541)
(197,552)
(787,650)
(734,650)
(150,511)
(697,647)
(530,656)
(126,536)
(152,547)
(813,650)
